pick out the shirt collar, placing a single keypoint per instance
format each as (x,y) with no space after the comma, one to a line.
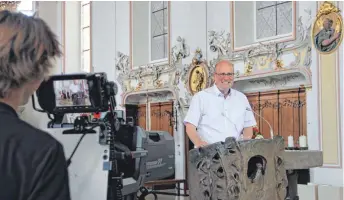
(5,108)
(217,92)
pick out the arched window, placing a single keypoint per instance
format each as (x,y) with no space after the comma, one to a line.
(86,36)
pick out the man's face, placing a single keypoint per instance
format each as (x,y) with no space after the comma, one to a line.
(327,24)
(224,75)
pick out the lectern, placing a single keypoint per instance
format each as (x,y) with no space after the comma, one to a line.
(252,169)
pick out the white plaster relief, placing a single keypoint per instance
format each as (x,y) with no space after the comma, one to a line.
(265,60)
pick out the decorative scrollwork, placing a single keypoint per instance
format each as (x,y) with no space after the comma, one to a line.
(273,82)
(180,50)
(159,114)
(219,42)
(122,64)
(123,69)
(327,8)
(276,105)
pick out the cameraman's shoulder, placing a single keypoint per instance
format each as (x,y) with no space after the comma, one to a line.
(38,136)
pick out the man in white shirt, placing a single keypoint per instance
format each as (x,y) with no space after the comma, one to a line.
(219,112)
(74,88)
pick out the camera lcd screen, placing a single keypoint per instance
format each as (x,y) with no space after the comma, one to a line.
(70,93)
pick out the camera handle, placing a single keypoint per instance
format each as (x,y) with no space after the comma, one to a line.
(80,127)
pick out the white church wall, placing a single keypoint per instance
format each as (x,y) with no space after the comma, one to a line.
(52,13)
(64,20)
(192,21)
(110,33)
(72,33)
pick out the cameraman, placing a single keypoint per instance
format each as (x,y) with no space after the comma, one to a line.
(32,163)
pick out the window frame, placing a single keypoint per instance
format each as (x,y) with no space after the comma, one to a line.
(276,37)
(163,60)
(83,28)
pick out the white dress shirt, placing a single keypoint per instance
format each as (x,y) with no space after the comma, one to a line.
(217,118)
(74,88)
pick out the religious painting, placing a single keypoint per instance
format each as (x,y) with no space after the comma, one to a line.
(327,29)
(198,79)
(198,74)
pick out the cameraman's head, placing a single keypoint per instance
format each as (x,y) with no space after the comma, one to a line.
(27,46)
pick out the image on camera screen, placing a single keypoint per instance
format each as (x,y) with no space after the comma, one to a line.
(71,93)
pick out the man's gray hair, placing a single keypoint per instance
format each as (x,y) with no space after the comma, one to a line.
(27,45)
(222,59)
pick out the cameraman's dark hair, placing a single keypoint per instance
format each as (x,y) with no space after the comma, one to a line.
(27,45)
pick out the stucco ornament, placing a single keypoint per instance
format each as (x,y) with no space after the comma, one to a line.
(122,69)
(219,42)
(180,51)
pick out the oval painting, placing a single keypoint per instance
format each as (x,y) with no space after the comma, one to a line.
(327,32)
(198,79)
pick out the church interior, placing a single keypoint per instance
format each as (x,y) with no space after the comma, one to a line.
(156,52)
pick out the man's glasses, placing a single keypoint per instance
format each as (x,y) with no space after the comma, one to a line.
(225,74)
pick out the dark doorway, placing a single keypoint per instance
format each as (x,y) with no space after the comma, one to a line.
(131,112)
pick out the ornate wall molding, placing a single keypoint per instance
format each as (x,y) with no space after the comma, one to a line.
(149,76)
(267,60)
(280,80)
(189,76)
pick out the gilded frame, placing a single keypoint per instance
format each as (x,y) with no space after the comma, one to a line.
(327,10)
(198,78)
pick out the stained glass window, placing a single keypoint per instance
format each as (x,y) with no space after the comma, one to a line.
(159,30)
(273,18)
(86,36)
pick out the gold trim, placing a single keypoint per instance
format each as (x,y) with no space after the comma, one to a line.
(197,71)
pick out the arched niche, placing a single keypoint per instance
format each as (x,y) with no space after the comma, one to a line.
(146,107)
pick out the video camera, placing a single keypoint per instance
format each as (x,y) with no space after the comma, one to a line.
(90,93)
(76,93)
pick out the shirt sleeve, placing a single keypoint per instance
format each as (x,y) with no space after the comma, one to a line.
(51,179)
(249,116)
(194,112)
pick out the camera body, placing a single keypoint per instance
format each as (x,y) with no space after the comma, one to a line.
(76,93)
(91,93)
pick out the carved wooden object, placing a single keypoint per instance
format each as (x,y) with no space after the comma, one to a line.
(239,170)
